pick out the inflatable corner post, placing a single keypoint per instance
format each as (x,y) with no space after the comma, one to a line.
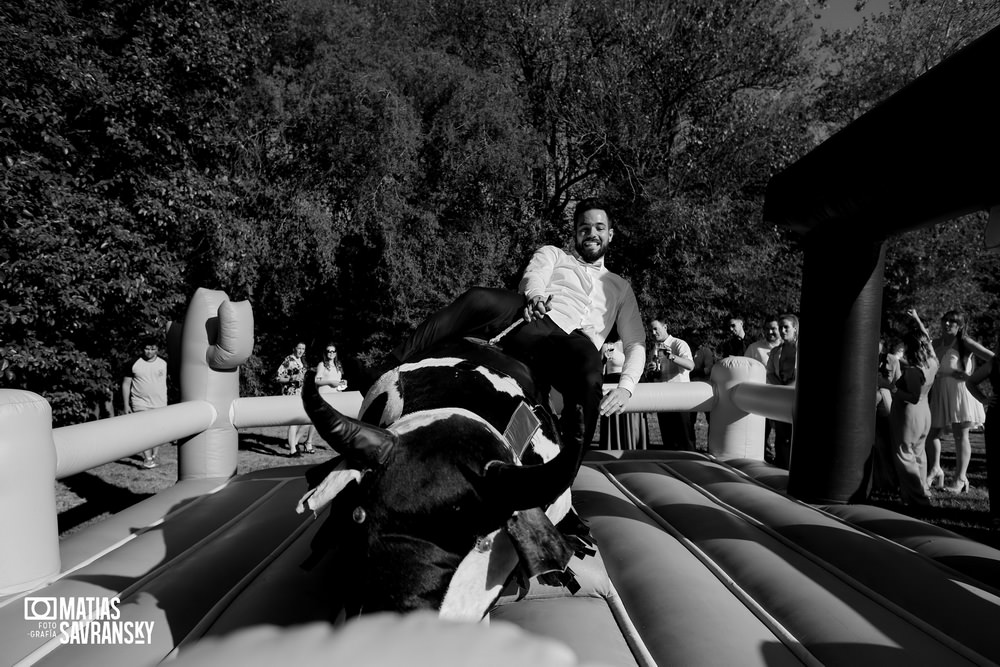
(835,409)
(735,433)
(217,337)
(29,548)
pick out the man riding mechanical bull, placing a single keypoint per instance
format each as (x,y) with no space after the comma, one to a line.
(456,453)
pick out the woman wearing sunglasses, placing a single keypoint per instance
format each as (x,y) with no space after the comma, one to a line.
(329,372)
(952,404)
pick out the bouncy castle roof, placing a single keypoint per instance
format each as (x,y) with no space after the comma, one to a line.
(926,154)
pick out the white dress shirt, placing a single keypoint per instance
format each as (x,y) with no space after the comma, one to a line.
(669,371)
(588,297)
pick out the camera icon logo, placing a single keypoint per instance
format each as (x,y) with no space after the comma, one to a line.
(40,609)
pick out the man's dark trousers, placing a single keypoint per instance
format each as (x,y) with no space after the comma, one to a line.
(569,362)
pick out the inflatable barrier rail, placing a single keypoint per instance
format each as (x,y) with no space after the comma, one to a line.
(701,559)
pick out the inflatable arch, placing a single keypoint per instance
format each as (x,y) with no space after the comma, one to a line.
(702,559)
(922,156)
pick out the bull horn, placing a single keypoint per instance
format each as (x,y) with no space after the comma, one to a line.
(362,444)
(517,487)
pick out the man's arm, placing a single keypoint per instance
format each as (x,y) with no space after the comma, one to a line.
(127,393)
(683,356)
(633,337)
(535,280)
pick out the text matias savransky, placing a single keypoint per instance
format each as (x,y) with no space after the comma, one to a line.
(84,620)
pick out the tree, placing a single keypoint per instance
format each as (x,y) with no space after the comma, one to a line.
(943,267)
(112,113)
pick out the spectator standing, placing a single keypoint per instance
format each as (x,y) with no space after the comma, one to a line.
(704,360)
(883,464)
(761,351)
(144,387)
(671,361)
(735,344)
(330,379)
(910,416)
(952,404)
(291,374)
(781,365)
(990,370)
(329,372)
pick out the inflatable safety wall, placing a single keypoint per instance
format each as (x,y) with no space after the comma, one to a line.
(217,337)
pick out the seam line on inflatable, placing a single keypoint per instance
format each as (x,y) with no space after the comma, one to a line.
(905,615)
(54,643)
(951,572)
(782,633)
(212,615)
(631,634)
(960,577)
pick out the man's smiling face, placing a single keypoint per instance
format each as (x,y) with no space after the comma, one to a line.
(593,234)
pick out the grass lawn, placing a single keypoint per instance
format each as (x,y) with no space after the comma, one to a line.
(88,497)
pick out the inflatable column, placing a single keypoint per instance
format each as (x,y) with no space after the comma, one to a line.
(837,363)
(29,531)
(216,338)
(734,432)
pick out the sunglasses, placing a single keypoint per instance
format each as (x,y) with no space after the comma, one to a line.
(331,351)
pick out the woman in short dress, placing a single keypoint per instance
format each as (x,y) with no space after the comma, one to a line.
(910,416)
(952,406)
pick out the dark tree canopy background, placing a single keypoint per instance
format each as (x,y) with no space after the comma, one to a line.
(351,166)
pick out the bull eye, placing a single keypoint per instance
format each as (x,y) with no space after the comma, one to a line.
(484,544)
(359,515)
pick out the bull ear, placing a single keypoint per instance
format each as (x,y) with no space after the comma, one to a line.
(517,487)
(362,444)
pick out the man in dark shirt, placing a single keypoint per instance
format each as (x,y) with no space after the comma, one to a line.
(736,343)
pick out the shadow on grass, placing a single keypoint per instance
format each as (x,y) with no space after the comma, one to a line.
(100,496)
(262,444)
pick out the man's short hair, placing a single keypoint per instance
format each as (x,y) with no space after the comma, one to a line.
(149,341)
(589,204)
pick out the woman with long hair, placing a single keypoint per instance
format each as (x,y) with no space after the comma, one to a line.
(290,375)
(329,372)
(952,406)
(910,416)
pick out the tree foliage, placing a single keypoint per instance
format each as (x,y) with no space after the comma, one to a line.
(944,267)
(350,166)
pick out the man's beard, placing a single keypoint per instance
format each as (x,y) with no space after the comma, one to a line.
(591,255)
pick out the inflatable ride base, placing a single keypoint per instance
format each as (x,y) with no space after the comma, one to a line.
(699,563)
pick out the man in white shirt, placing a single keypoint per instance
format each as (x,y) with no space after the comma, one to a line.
(671,361)
(761,351)
(144,387)
(570,303)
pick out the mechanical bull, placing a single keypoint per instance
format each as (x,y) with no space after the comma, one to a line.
(437,500)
